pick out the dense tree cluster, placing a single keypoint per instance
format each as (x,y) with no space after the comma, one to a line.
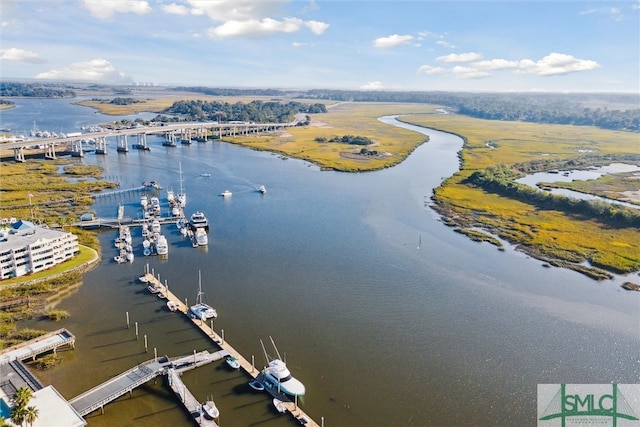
(36,90)
(124,101)
(500,180)
(254,111)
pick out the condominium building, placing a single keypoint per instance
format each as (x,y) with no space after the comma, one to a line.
(27,248)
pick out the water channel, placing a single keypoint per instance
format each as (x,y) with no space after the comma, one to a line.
(385,314)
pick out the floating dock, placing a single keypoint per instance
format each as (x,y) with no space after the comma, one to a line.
(245,365)
(188,400)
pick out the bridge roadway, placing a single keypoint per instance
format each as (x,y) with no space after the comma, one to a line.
(124,383)
(235,128)
(245,365)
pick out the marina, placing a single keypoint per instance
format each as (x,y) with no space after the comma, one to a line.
(247,367)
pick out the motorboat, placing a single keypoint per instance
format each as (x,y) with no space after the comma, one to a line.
(226,193)
(129,256)
(279,405)
(144,201)
(171,197)
(201,237)
(206,174)
(256,385)
(155,226)
(162,247)
(199,220)
(172,305)
(233,362)
(262,189)
(209,410)
(143,279)
(277,373)
(153,289)
(201,310)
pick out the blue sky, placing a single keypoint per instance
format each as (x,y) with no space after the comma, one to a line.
(481,45)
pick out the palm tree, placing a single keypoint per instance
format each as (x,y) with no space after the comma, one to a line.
(3,422)
(21,396)
(30,414)
(17,415)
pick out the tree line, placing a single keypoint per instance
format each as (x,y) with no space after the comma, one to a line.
(35,90)
(254,111)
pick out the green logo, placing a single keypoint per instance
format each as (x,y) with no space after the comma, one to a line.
(588,404)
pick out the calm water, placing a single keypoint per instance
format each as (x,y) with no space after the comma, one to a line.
(381,331)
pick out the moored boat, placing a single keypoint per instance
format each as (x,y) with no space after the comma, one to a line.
(201,310)
(172,305)
(256,385)
(226,193)
(279,405)
(209,410)
(233,362)
(199,220)
(279,375)
(262,189)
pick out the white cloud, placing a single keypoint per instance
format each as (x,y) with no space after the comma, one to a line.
(392,41)
(496,64)
(428,69)
(460,57)
(316,27)
(105,9)
(556,63)
(20,55)
(468,72)
(252,27)
(175,9)
(238,10)
(445,44)
(376,85)
(97,70)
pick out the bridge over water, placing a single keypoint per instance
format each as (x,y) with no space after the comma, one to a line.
(186,132)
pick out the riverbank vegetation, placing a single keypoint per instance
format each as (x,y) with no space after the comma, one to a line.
(49,191)
(591,238)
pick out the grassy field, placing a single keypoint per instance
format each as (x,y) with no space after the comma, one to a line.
(393,144)
(546,234)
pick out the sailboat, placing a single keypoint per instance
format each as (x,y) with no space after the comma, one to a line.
(181,197)
(201,310)
(277,374)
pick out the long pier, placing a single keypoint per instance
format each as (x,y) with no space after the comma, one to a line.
(249,368)
(188,400)
(115,387)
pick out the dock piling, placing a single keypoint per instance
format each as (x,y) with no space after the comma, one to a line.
(136,330)
(127,320)
(145,343)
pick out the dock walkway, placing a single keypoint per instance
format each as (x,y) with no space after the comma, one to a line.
(188,400)
(124,383)
(245,365)
(32,348)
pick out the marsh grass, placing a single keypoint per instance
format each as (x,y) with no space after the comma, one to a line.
(547,234)
(359,119)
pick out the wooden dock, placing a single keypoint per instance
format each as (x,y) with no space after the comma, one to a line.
(32,348)
(188,400)
(245,365)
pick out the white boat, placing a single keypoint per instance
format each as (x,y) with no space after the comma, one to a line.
(143,279)
(278,375)
(201,310)
(162,248)
(279,405)
(155,226)
(181,198)
(153,289)
(206,174)
(172,305)
(201,237)
(144,201)
(130,256)
(233,362)
(226,193)
(170,196)
(256,385)
(262,189)
(209,410)
(199,220)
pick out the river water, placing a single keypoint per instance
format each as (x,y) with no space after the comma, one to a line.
(385,314)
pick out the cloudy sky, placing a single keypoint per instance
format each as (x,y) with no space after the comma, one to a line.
(474,45)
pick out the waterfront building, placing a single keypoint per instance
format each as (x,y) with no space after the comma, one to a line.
(27,248)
